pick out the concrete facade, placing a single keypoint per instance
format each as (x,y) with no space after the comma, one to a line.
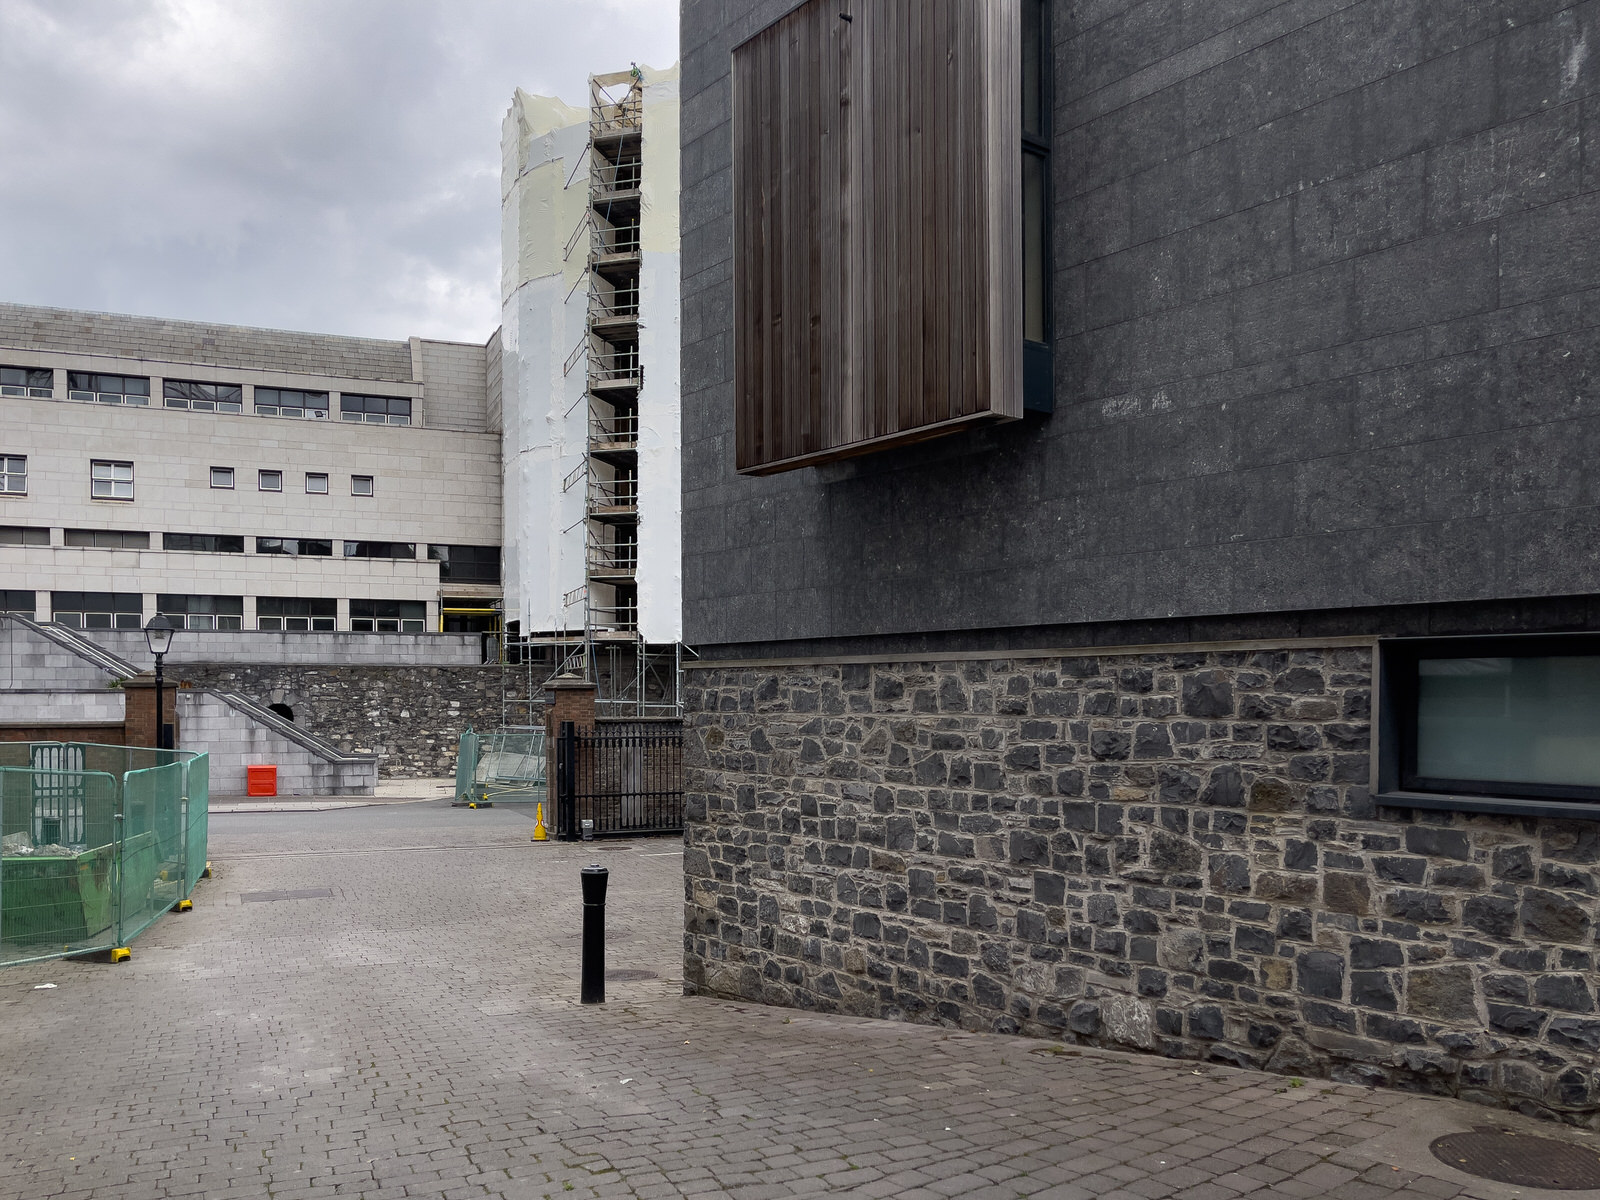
(436,481)
(1067,725)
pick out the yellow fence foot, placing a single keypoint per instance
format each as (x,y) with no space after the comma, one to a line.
(206,874)
(120,954)
(183,906)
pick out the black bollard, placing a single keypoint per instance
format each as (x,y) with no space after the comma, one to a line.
(592,988)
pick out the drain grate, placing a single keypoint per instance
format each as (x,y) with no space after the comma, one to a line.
(291,894)
(629,974)
(1519,1158)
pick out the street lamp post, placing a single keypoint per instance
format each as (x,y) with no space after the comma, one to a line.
(158,636)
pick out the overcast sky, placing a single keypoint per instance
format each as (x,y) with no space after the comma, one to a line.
(327,165)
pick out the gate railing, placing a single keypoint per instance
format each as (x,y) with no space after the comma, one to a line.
(627,778)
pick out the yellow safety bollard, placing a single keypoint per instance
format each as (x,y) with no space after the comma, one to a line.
(120,954)
(540,834)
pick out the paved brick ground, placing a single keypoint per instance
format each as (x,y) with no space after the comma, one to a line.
(416,1035)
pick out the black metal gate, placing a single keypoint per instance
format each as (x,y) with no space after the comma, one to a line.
(626,777)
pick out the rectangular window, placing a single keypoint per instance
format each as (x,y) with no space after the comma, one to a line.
(375,410)
(361,485)
(97,610)
(202,612)
(23,535)
(292,614)
(107,539)
(467,564)
(202,397)
(388,616)
(316,483)
(203,543)
(14,474)
(222,477)
(301,547)
(290,402)
(1499,724)
(380,550)
(108,389)
(13,600)
(110,480)
(27,381)
(270,481)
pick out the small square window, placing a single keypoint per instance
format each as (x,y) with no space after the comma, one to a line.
(222,477)
(316,484)
(110,480)
(14,474)
(361,485)
(271,481)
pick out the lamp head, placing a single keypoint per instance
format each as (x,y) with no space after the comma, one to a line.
(158,634)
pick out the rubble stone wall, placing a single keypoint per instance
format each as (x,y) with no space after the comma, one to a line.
(1177,852)
(411,716)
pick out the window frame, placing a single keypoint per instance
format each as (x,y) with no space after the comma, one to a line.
(268,402)
(325,621)
(323,476)
(167,538)
(202,396)
(108,388)
(262,476)
(32,385)
(1395,728)
(7,475)
(371,482)
(226,472)
(91,539)
(41,535)
(113,464)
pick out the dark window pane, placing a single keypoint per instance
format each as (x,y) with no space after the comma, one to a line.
(1035,270)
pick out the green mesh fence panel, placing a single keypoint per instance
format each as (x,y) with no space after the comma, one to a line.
(196,819)
(151,878)
(56,897)
(511,767)
(98,842)
(466,765)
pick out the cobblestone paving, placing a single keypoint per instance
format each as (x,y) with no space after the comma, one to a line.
(417,1035)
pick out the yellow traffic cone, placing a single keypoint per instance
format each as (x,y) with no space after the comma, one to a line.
(540,834)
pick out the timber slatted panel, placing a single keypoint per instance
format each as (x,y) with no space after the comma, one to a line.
(877,231)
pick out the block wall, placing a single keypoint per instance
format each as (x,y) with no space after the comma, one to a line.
(1176,852)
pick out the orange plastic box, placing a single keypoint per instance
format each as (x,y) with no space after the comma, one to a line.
(261,781)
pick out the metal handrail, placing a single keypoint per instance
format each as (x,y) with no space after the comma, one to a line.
(614,429)
(606,176)
(601,307)
(619,493)
(613,239)
(613,557)
(614,364)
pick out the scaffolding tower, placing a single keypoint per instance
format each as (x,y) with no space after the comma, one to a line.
(632,678)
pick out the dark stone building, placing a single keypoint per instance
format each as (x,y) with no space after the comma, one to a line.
(1246,706)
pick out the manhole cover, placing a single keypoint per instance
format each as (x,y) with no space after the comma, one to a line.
(295,894)
(1519,1158)
(629,974)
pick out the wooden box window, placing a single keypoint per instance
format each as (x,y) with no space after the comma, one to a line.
(877,196)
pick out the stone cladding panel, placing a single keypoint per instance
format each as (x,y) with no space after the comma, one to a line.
(1174,851)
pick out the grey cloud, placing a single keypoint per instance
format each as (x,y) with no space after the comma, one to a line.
(330,165)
